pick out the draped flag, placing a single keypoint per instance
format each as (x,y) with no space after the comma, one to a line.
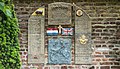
(67,31)
(52,31)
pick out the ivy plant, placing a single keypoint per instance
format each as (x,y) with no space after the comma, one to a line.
(9,43)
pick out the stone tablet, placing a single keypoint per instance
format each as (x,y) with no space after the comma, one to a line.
(36,39)
(83,48)
(59,51)
(59,13)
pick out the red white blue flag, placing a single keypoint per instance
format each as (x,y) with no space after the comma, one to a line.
(67,31)
(52,31)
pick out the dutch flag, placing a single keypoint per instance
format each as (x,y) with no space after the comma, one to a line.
(52,31)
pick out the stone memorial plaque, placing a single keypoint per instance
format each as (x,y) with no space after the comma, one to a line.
(59,51)
(83,48)
(59,13)
(71,22)
(36,39)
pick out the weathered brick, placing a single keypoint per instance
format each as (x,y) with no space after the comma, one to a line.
(70,67)
(105,30)
(105,52)
(98,59)
(115,48)
(115,67)
(95,34)
(117,23)
(111,27)
(104,59)
(118,59)
(104,67)
(113,42)
(111,56)
(96,23)
(98,26)
(106,63)
(46,67)
(105,37)
(109,15)
(97,19)
(97,52)
(26,67)
(105,22)
(111,46)
(99,30)
(116,63)
(104,45)
(99,56)
(100,4)
(63,67)
(106,34)
(112,23)
(112,38)
(112,59)
(99,41)
(98,45)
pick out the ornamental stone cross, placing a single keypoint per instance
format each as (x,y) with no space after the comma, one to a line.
(60,27)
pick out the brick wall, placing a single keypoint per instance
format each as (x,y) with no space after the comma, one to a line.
(105,20)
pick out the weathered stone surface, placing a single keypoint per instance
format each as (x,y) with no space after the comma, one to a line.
(82,39)
(59,51)
(36,39)
(59,13)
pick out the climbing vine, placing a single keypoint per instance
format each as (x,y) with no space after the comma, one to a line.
(9,44)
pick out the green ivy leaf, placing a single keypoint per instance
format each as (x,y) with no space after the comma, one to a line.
(8,13)
(1,66)
(1,6)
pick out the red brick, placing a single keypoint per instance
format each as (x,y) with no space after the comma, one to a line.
(115,67)
(113,42)
(112,59)
(98,26)
(99,30)
(98,59)
(98,56)
(111,46)
(98,45)
(111,27)
(115,48)
(97,19)
(70,67)
(64,67)
(106,30)
(104,59)
(104,67)
(97,52)
(106,63)
(105,52)
(46,68)
(95,34)
(100,4)
(26,68)
(107,23)
(106,34)
(112,23)
(118,59)
(118,23)
(99,41)
(96,23)
(104,45)
(116,63)
(77,67)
